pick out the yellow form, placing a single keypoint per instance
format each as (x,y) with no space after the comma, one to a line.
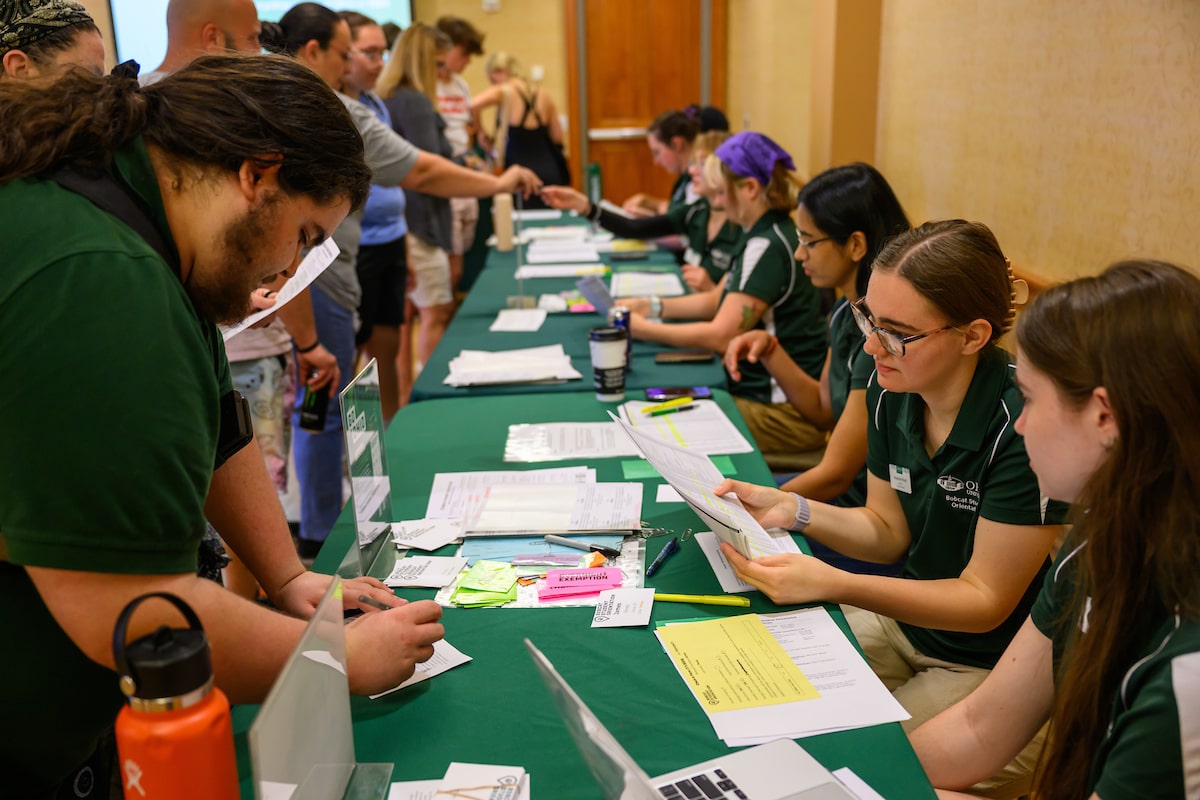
(735,663)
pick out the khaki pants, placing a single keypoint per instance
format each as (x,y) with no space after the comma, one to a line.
(927,686)
(779,429)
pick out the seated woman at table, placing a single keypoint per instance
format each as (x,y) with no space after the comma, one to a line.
(949,482)
(670,137)
(711,237)
(846,215)
(1110,370)
(763,289)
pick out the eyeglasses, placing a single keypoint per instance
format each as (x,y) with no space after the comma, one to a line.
(371,55)
(893,342)
(809,244)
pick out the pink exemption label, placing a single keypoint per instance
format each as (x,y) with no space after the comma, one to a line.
(575,582)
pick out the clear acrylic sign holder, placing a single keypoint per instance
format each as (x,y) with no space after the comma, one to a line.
(370,486)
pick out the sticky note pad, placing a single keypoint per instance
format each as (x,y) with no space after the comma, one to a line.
(578,582)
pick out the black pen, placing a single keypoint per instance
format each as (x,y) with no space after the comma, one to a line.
(610,552)
(668,550)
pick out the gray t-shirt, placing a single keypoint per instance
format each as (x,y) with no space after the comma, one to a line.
(390,158)
(414,118)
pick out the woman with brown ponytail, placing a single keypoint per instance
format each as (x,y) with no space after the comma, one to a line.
(1110,370)
(948,484)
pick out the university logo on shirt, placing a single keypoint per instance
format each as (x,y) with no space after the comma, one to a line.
(960,495)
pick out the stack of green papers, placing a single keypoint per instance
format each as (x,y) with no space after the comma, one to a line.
(488,583)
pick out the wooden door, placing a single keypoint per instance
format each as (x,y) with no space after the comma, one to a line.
(627,61)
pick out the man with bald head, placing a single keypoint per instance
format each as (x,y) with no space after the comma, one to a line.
(195,27)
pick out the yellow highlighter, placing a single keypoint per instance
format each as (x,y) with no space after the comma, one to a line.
(667,406)
(705,599)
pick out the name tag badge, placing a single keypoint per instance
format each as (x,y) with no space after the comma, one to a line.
(901,478)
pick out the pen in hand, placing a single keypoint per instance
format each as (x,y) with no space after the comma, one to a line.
(669,549)
(373,603)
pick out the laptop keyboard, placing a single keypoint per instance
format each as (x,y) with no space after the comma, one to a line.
(713,785)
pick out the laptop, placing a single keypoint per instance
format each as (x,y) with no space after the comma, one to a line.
(779,770)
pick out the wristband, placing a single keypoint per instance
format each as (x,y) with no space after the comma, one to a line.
(802,513)
(656,309)
(316,343)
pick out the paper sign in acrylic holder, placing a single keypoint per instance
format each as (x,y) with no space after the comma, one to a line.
(370,486)
(302,742)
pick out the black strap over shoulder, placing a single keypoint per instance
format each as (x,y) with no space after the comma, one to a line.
(110,195)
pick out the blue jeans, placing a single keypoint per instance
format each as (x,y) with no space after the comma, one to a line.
(318,454)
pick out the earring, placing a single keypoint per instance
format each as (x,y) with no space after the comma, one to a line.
(1108,445)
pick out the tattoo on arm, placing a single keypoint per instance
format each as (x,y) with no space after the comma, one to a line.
(749,318)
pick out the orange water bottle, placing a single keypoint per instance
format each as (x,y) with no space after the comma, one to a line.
(175,738)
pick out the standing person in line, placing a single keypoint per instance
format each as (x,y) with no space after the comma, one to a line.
(454,104)
(408,87)
(948,485)
(845,216)
(238,163)
(712,240)
(382,264)
(44,37)
(264,362)
(528,130)
(318,38)
(1110,653)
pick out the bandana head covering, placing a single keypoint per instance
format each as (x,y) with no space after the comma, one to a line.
(753,155)
(25,22)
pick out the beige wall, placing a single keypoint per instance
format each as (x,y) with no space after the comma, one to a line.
(770,71)
(1072,128)
(532,30)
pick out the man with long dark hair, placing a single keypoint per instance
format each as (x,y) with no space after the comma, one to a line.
(119,423)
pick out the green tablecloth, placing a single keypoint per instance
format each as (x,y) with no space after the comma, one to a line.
(496,710)
(489,294)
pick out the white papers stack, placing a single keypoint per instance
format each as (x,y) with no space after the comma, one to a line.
(537,214)
(574,233)
(517,320)
(549,251)
(317,260)
(527,365)
(703,429)
(529,271)
(562,441)
(646,284)
(851,695)
(524,508)
(431,571)
(693,475)
(460,495)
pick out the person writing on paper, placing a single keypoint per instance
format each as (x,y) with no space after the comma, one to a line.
(845,216)
(238,163)
(711,238)
(949,483)
(321,40)
(1110,370)
(763,290)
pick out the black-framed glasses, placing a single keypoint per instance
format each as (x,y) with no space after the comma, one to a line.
(894,343)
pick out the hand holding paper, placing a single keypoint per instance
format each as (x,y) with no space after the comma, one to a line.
(770,507)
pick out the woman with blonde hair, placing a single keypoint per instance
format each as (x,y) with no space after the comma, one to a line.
(408,87)
(528,131)
(711,238)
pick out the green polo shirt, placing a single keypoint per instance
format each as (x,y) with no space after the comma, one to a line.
(110,429)
(850,369)
(679,191)
(716,254)
(1151,750)
(765,267)
(981,471)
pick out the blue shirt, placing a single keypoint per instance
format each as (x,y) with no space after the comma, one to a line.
(383,215)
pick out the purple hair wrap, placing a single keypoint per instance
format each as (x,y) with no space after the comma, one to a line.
(753,155)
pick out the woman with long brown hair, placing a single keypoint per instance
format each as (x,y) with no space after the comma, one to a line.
(1110,370)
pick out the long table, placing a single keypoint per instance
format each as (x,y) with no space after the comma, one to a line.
(489,294)
(496,710)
